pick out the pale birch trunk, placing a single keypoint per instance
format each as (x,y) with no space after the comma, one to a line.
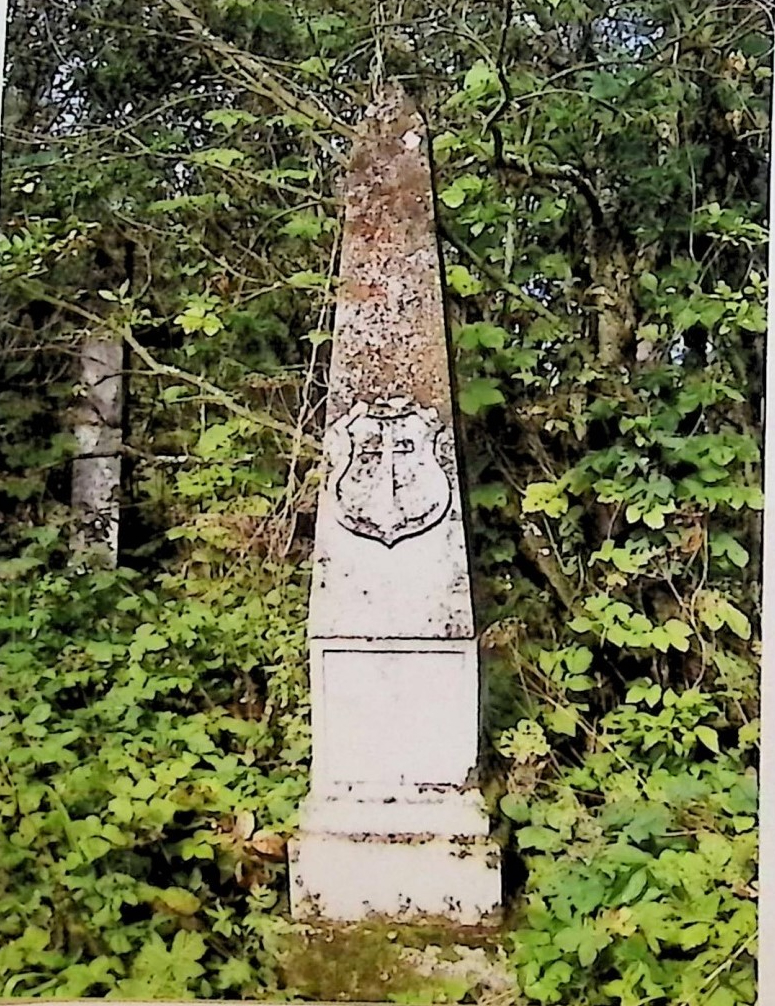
(97,468)
(3,34)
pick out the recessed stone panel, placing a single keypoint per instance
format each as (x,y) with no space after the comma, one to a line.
(397,717)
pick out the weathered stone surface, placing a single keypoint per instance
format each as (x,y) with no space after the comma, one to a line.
(403,877)
(390,335)
(386,959)
(388,475)
(390,826)
(391,515)
(489,972)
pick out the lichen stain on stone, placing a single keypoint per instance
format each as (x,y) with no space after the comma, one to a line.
(390,294)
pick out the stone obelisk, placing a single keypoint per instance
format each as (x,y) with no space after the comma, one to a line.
(392,825)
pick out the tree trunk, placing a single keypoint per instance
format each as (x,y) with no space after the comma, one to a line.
(97,467)
(612,278)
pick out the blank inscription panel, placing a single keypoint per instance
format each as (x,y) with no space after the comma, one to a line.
(398,717)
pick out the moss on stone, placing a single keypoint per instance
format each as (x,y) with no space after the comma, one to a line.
(368,961)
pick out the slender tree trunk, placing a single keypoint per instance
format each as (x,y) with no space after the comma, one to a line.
(611,274)
(767,750)
(3,34)
(97,469)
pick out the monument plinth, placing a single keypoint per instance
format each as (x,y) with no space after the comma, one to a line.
(392,825)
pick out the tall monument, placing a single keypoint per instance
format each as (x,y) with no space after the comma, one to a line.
(392,825)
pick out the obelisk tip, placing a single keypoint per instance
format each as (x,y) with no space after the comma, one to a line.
(392,111)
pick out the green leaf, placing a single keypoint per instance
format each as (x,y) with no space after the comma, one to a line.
(146,640)
(737,621)
(479,394)
(481,79)
(174,392)
(524,743)
(462,282)
(122,807)
(317,337)
(489,497)
(578,659)
(654,516)
(563,720)
(724,544)
(678,634)
(230,117)
(634,886)
(644,691)
(547,988)
(306,279)
(584,939)
(710,610)
(101,651)
(317,66)
(536,837)
(723,997)
(181,901)
(213,440)
(219,157)
(709,737)
(515,808)
(458,192)
(715,610)
(481,334)
(546,497)
(235,973)
(649,282)
(581,624)
(197,846)
(306,225)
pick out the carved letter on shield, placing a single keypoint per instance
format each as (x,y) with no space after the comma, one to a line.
(387,481)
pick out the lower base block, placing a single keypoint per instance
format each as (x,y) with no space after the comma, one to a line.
(351,877)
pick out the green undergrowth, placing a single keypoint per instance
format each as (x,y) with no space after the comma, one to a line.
(154,744)
(641,860)
(155,749)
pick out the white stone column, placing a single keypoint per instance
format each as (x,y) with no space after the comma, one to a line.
(3,37)
(392,825)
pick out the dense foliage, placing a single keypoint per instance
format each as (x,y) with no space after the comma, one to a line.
(169,178)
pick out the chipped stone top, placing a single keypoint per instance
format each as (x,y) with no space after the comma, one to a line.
(389,335)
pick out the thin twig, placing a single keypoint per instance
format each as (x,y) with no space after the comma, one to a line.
(261,80)
(493,273)
(216,394)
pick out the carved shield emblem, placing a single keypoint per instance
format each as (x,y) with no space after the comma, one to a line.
(387,481)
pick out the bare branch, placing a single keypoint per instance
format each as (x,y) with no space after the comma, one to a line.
(216,394)
(260,79)
(529,303)
(560,173)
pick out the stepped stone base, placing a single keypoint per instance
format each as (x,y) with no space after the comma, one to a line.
(352,877)
(400,810)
